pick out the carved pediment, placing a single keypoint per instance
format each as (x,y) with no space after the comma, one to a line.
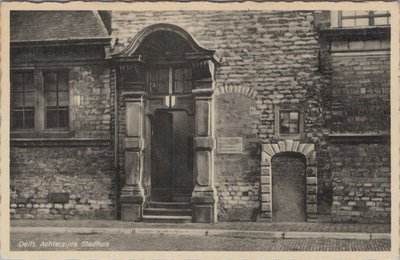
(166,43)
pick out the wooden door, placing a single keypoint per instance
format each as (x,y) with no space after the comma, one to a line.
(289,188)
(162,156)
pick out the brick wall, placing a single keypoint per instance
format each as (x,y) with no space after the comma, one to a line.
(360,94)
(360,104)
(361,176)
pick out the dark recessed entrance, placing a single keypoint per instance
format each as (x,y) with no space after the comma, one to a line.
(289,187)
(172,156)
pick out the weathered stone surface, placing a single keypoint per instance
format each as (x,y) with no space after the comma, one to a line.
(361,177)
(85,173)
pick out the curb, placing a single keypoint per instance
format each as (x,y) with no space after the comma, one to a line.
(206,232)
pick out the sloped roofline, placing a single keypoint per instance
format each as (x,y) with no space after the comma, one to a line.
(69,41)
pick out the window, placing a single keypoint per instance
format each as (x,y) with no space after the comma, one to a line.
(182,80)
(363,18)
(289,122)
(158,81)
(39,100)
(56,93)
(22,100)
(170,80)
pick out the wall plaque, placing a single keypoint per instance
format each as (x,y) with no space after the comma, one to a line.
(230,145)
(58,197)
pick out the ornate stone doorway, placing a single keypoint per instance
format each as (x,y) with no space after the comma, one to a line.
(163,71)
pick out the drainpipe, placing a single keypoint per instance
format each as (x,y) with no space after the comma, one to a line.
(116,140)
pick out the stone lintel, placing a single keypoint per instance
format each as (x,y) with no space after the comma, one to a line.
(203,143)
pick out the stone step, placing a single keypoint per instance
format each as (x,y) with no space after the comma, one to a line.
(169,205)
(181,198)
(167,212)
(167,219)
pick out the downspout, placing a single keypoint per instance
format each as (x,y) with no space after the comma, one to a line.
(116,139)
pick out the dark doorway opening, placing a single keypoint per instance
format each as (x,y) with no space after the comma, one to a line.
(289,187)
(172,156)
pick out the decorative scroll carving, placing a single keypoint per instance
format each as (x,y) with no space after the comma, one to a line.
(201,70)
(132,74)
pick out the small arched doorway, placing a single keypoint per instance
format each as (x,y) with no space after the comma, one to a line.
(289,187)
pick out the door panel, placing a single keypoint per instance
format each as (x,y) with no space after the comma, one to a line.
(289,188)
(183,155)
(162,156)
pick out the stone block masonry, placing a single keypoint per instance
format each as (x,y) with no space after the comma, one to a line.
(273,53)
(86,174)
(91,101)
(78,162)
(238,175)
(269,58)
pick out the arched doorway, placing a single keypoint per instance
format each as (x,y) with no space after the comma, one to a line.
(166,82)
(292,166)
(289,187)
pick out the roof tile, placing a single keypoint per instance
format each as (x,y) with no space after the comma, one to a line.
(55,26)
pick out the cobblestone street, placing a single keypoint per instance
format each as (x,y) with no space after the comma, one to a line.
(100,242)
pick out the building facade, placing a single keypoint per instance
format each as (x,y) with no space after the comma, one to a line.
(208,116)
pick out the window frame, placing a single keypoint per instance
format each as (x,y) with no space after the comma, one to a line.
(170,79)
(337,18)
(45,107)
(289,111)
(23,129)
(40,129)
(289,108)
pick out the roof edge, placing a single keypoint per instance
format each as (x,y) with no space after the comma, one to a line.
(57,42)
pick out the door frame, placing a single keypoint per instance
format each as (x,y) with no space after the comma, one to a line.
(267,152)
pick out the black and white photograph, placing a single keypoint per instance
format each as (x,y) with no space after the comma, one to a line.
(209,130)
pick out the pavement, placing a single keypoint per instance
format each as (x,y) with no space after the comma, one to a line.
(255,230)
(149,242)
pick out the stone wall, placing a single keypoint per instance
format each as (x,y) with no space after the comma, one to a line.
(77,164)
(85,174)
(272,55)
(91,101)
(237,175)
